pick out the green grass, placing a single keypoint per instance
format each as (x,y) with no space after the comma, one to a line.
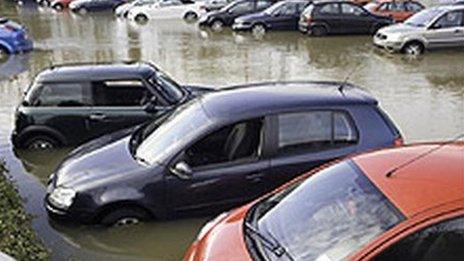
(17,238)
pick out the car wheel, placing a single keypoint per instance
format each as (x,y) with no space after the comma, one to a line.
(413,48)
(40,142)
(141,18)
(82,11)
(217,25)
(258,30)
(58,7)
(3,53)
(190,17)
(318,31)
(124,217)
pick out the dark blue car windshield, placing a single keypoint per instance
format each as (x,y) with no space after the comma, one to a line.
(329,216)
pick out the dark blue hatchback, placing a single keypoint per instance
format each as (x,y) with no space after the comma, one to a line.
(13,38)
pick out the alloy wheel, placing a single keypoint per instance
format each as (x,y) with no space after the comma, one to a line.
(190,17)
(82,11)
(41,145)
(217,26)
(413,49)
(258,30)
(127,221)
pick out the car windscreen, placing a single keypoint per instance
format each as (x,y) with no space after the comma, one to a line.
(329,216)
(423,18)
(167,86)
(185,122)
(274,8)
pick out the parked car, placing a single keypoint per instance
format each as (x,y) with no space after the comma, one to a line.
(436,27)
(70,104)
(167,9)
(398,10)
(123,10)
(282,15)
(60,4)
(84,6)
(226,16)
(340,17)
(214,5)
(13,38)
(200,158)
(375,206)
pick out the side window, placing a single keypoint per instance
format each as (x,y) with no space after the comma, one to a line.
(120,93)
(451,19)
(330,9)
(240,141)
(384,7)
(301,7)
(242,7)
(63,95)
(316,130)
(349,9)
(442,241)
(413,7)
(287,9)
(262,4)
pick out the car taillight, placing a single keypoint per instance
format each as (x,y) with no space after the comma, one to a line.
(399,142)
(308,19)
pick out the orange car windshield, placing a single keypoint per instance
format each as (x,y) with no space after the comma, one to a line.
(330,216)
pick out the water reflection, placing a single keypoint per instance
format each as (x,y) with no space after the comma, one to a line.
(13,65)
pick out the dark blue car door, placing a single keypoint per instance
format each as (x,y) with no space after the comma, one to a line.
(285,17)
(359,21)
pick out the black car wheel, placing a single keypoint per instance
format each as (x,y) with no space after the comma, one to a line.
(82,11)
(43,3)
(124,216)
(3,53)
(40,142)
(413,48)
(258,30)
(190,17)
(141,18)
(58,7)
(217,25)
(318,31)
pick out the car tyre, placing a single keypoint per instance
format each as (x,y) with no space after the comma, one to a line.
(58,7)
(141,19)
(40,142)
(190,17)
(4,53)
(217,25)
(82,11)
(258,30)
(413,48)
(124,216)
(318,31)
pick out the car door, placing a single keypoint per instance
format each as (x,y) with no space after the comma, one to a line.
(329,14)
(446,31)
(119,104)
(286,17)
(241,8)
(358,20)
(305,140)
(217,180)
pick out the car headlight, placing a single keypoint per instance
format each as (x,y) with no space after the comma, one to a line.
(208,226)
(62,197)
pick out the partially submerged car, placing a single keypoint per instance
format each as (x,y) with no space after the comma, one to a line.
(340,17)
(397,204)
(283,15)
(14,38)
(59,5)
(398,10)
(84,6)
(216,152)
(167,9)
(123,10)
(432,28)
(68,105)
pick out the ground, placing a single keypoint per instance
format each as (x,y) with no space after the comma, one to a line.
(17,238)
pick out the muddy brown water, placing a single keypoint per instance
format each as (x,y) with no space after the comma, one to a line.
(424,96)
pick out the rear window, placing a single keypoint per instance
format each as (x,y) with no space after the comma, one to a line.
(332,8)
(61,95)
(391,126)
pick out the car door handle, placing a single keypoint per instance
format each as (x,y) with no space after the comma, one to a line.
(255,177)
(97,117)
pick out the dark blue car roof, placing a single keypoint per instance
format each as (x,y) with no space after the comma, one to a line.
(267,98)
(79,72)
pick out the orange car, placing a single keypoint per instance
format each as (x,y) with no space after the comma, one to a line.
(398,10)
(404,203)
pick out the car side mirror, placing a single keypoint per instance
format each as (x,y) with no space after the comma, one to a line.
(182,170)
(435,26)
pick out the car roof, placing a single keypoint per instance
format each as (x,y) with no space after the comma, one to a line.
(257,100)
(92,71)
(450,7)
(434,179)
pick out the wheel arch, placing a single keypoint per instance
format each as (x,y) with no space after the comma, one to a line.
(6,46)
(41,130)
(118,204)
(321,24)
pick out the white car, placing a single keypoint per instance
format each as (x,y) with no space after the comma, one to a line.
(123,10)
(168,9)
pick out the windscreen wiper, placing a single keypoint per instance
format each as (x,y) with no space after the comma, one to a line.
(273,245)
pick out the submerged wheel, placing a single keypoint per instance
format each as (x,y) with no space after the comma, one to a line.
(40,142)
(413,48)
(258,30)
(3,53)
(318,31)
(125,216)
(141,18)
(82,11)
(190,17)
(58,7)
(217,25)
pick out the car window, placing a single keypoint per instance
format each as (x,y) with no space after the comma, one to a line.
(330,216)
(120,93)
(286,9)
(413,7)
(262,4)
(170,3)
(330,9)
(349,9)
(63,95)
(450,19)
(442,241)
(301,7)
(242,7)
(397,6)
(384,7)
(316,130)
(232,143)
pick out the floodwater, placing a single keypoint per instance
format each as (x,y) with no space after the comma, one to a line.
(424,96)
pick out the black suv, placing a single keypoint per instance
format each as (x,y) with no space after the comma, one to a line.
(69,104)
(226,16)
(340,17)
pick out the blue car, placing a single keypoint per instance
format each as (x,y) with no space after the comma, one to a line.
(13,38)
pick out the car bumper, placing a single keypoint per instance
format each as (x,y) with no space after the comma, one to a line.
(303,27)
(68,216)
(241,27)
(390,46)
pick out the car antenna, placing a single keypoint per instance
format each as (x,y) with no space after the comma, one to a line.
(342,86)
(420,156)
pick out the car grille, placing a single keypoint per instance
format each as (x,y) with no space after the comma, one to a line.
(381,36)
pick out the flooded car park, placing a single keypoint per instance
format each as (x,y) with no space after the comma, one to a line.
(424,96)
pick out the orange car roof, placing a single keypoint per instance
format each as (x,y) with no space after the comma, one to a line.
(434,179)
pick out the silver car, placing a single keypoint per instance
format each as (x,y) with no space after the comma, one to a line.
(436,27)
